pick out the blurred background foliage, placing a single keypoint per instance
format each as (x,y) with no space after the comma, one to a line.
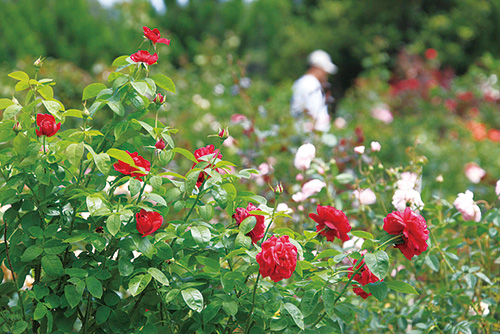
(241,57)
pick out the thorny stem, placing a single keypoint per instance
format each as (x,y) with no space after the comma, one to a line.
(272,220)
(247,326)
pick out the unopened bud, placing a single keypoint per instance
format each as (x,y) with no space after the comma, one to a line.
(439,178)
(17,127)
(224,134)
(38,63)
(159,99)
(160,144)
(85,112)
(279,189)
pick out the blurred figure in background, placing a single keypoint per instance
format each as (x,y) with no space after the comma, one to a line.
(311,94)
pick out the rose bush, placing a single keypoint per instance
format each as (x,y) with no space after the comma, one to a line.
(184,265)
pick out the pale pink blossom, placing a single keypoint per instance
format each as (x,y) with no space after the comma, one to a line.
(304,156)
(321,170)
(382,113)
(375,146)
(238,118)
(283,207)
(359,149)
(230,142)
(308,189)
(299,177)
(353,242)
(404,197)
(264,168)
(300,207)
(473,172)
(467,207)
(340,123)
(365,196)
(407,180)
(497,189)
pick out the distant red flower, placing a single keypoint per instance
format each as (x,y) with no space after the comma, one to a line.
(257,232)
(47,125)
(450,104)
(148,222)
(332,223)
(154,36)
(430,54)
(277,259)
(143,56)
(363,277)
(201,152)
(413,229)
(465,96)
(494,135)
(126,169)
(478,130)
(160,144)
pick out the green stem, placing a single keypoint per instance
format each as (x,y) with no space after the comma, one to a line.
(441,251)
(87,313)
(196,200)
(247,326)
(389,241)
(272,220)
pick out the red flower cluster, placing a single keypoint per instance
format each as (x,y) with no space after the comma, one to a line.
(143,56)
(47,125)
(257,232)
(201,152)
(363,277)
(126,169)
(154,36)
(431,54)
(148,222)
(277,259)
(413,229)
(332,223)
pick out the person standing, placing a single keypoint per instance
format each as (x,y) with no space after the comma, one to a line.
(310,97)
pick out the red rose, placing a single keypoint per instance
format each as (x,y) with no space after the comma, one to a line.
(47,125)
(431,54)
(154,36)
(148,222)
(257,232)
(277,259)
(160,144)
(413,229)
(126,169)
(363,277)
(332,223)
(201,152)
(143,56)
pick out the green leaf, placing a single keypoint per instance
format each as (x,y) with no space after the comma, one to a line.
(309,302)
(11,112)
(4,103)
(102,162)
(193,299)
(94,286)
(378,263)
(401,287)
(247,225)
(77,272)
(172,194)
(117,108)
(158,275)
(201,234)
(156,182)
(327,253)
(140,87)
(484,278)
(125,266)
(19,327)
(92,90)
(134,186)
(31,253)
(113,224)
(297,316)
(52,106)
(121,156)
(329,298)
(345,311)
(74,153)
(206,212)
(52,265)
(378,290)
(156,198)
(138,283)
(344,178)
(211,311)
(185,153)
(362,234)
(19,75)
(243,241)
(120,61)
(47,92)
(73,295)
(40,311)
(432,261)
(164,82)
(102,314)
(20,143)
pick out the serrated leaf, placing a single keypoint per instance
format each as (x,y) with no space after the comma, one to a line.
(31,253)
(296,314)
(185,153)
(247,225)
(378,263)
(327,253)
(201,234)
(52,265)
(158,275)
(156,198)
(92,90)
(138,283)
(73,295)
(19,75)
(74,153)
(94,286)
(378,290)
(113,224)
(164,82)
(4,103)
(401,287)
(193,299)
(362,234)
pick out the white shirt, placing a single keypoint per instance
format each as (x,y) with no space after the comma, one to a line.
(308,97)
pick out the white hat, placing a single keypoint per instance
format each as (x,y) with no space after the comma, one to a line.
(321,59)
